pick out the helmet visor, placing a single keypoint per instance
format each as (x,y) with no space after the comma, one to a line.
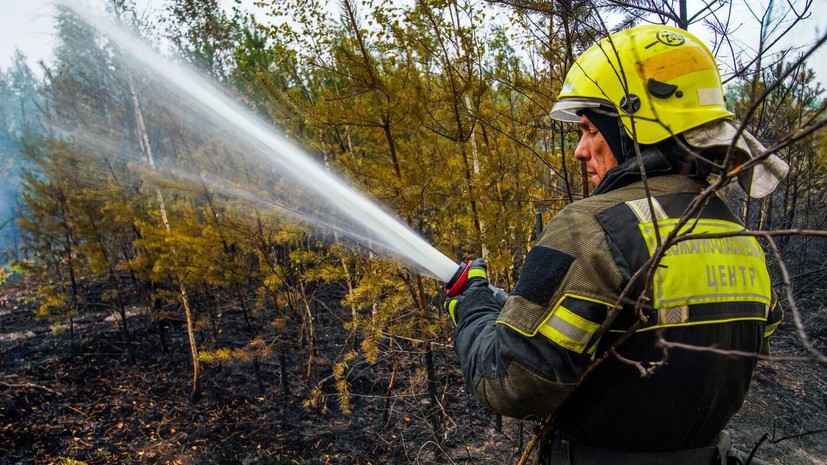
(566,109)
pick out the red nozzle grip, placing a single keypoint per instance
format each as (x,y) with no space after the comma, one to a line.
(459,282)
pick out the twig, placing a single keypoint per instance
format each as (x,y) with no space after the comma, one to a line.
(6,223)
(735,353)
(798,17)
(438,447)
(653,366)
(632,363)
(766,234)
(30,386)
(766,437)
(770,89)
(531,445)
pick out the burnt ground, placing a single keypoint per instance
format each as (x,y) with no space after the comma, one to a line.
(97,405)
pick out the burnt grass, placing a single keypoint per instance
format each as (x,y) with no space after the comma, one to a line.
(98,403)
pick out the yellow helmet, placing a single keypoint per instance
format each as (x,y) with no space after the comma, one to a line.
(661,80)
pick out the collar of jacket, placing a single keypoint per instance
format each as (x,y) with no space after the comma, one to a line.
(655,163)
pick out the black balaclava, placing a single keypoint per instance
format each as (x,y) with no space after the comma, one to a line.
(665,157)
(608,122)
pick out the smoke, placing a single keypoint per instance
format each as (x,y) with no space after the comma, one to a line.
(9,231)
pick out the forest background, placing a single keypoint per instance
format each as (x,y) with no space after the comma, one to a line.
(159,306)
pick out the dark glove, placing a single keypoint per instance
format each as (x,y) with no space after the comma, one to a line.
(476,275)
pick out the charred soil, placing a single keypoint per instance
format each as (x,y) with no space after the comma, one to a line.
(98,402)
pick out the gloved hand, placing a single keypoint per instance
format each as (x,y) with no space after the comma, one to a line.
(477,276)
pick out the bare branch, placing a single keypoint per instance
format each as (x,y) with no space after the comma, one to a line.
(670,15)
(6,223)
(799,16)
(766,234)
(710,8)
(735,353)
(29,386)
(766,437)
(645,372)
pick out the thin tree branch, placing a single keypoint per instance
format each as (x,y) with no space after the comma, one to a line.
(29,386)
(661,342)
(766,437)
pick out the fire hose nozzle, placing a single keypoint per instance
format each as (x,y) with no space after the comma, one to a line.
(458,282)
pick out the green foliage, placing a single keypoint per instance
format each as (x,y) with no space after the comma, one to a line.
(20,119)
(204,34)
(9,271)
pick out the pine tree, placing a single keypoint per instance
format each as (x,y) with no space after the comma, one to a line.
(21,117)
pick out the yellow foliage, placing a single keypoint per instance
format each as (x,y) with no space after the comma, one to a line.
(419,379)
(315,398)
(68,461)
(370,344)
(52,303)
(326,272)
(273,281)
(225,354)
(349,356)
(342,385)
(339,370)
(280,323)
(344,396)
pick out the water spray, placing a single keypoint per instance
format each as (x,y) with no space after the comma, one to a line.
(387,233)
(391,234)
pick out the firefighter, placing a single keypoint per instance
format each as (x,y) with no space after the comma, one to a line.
(649,105)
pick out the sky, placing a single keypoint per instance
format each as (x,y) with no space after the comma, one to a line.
(28,25)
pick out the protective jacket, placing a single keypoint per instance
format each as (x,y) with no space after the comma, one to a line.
(527,358)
